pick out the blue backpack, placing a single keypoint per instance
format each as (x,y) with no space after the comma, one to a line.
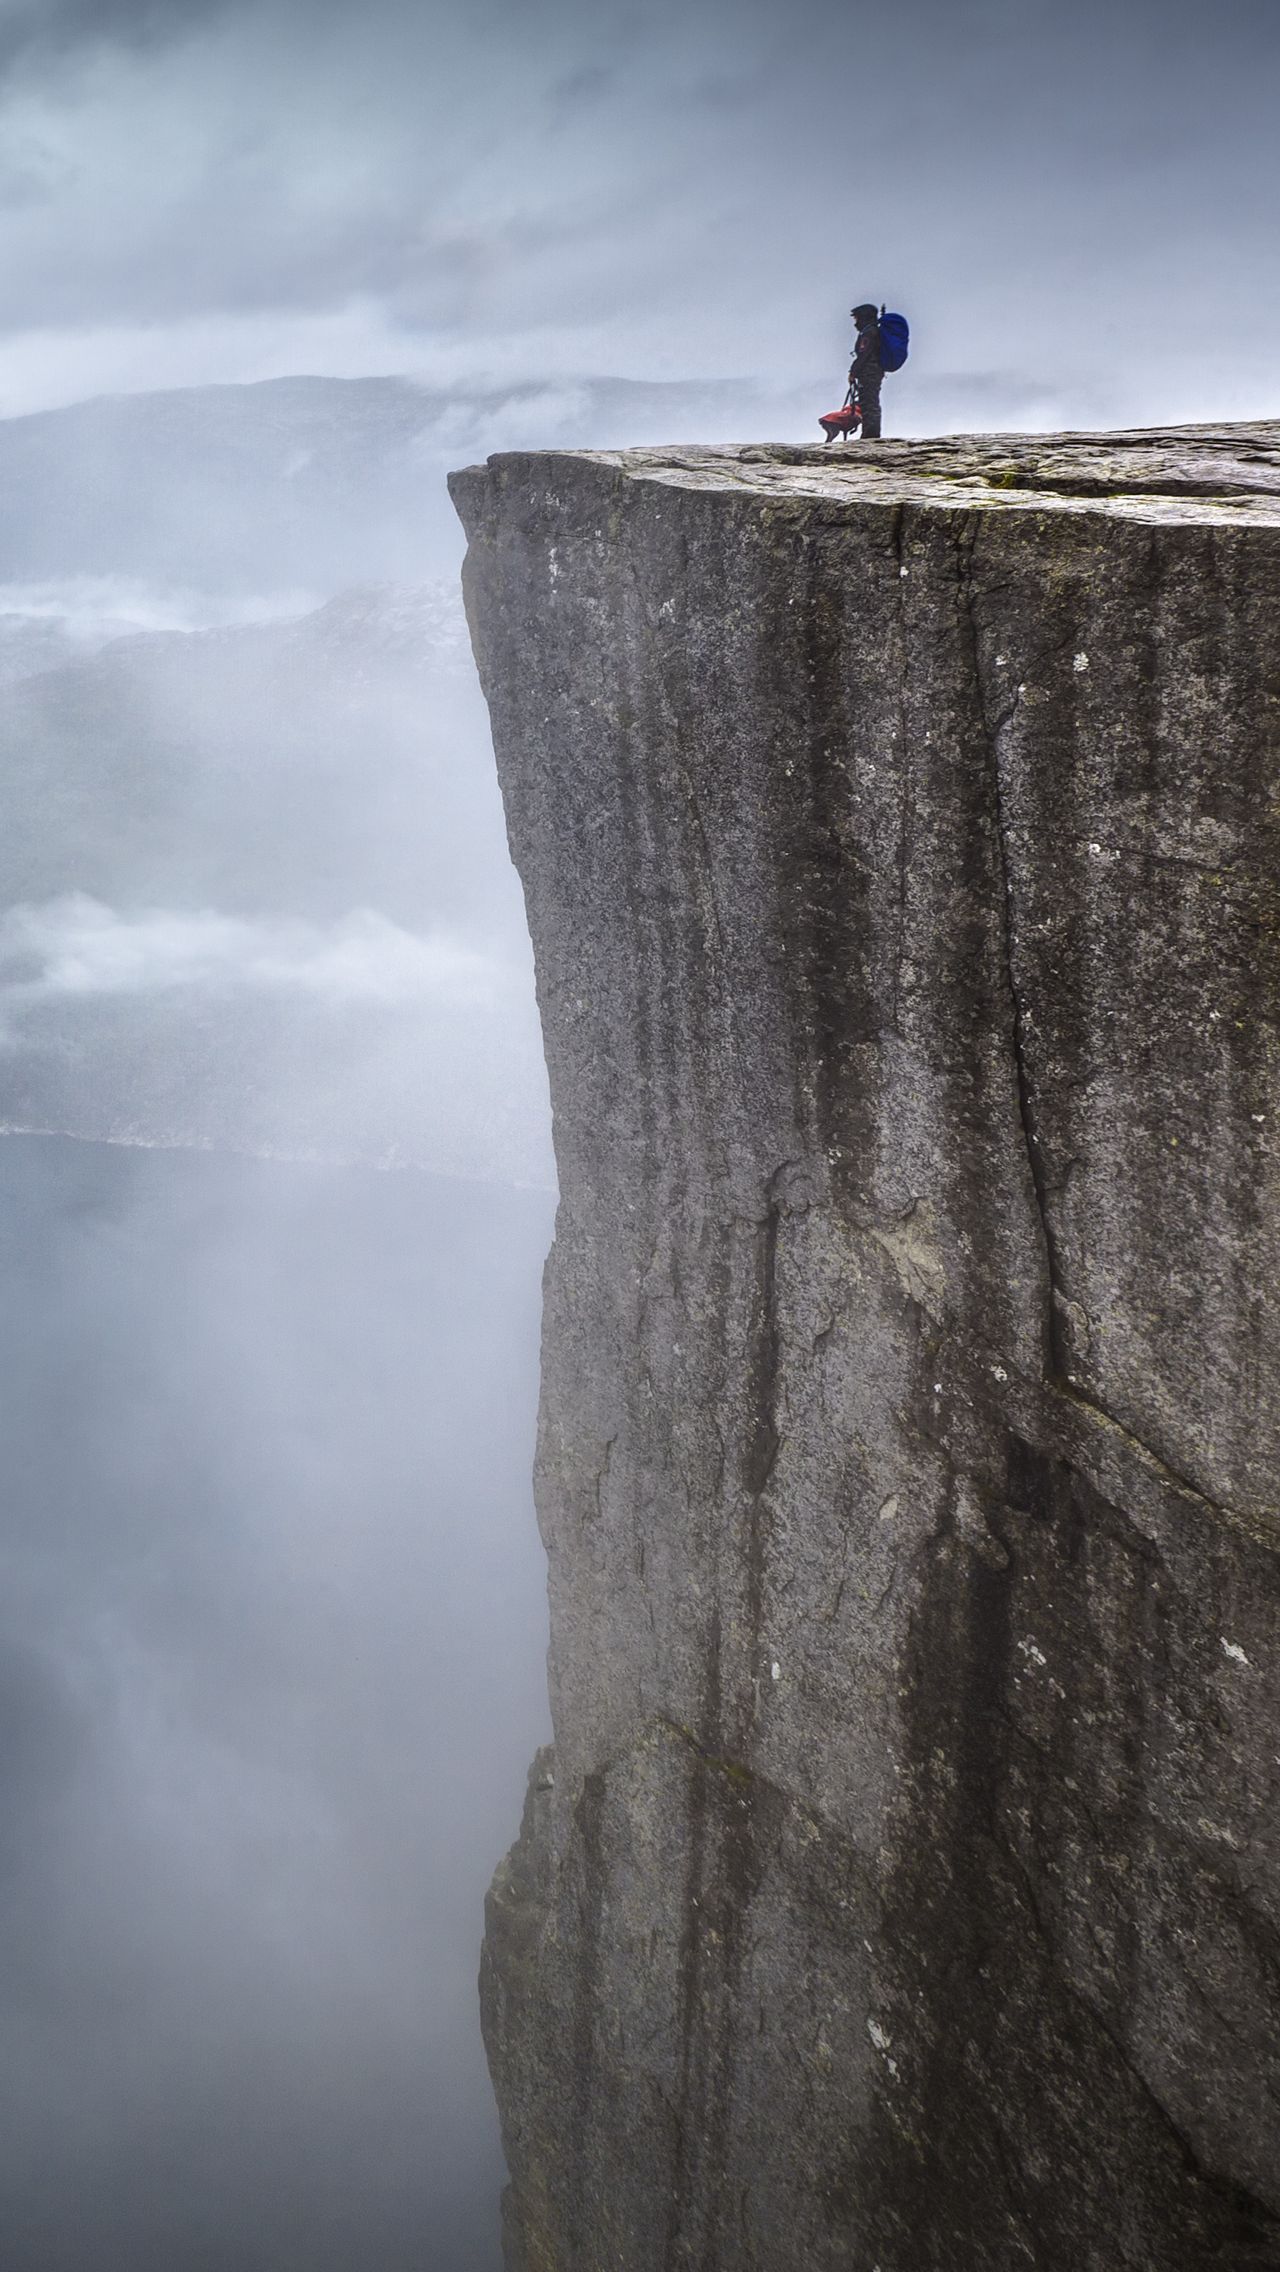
(895,341)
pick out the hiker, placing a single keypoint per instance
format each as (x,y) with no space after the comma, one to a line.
(867,369)
(882,345)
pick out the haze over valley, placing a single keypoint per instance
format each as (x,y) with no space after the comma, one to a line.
(274,1197)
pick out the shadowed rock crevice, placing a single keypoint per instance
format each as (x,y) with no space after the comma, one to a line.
(993,725)
(899,837)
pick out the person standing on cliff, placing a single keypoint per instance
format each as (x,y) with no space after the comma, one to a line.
(867,369)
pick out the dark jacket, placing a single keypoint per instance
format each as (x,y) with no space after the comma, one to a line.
(865,373)
(867,363)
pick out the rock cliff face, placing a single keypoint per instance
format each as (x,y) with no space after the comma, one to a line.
(901,840)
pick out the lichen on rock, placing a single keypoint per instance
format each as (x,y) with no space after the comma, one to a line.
(900,837)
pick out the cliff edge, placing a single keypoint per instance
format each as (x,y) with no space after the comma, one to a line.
(901,842)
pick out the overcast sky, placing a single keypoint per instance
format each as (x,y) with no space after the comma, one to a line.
(1076,202)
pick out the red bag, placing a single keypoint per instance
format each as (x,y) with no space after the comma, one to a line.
(844,422)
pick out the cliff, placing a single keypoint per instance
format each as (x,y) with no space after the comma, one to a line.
(901,842)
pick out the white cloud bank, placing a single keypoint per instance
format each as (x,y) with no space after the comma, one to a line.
(77,948)
(356,1040)
(92,610)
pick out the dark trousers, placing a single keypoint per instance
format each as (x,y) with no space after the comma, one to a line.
(869,400)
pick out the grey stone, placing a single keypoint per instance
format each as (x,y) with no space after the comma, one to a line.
(899,834)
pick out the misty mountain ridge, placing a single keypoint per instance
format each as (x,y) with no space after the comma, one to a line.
(312,482)
(257,895)
(260,766)
(425,621)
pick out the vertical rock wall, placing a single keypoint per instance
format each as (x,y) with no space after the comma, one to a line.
(900,839)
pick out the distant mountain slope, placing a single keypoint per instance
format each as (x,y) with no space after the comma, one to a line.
(254,892)
(314,482)
(299,768)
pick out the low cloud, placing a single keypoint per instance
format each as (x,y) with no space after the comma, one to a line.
(93,610)
(270,1671)
(358,1039)
(77,948)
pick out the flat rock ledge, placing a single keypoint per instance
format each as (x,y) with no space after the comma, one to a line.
(900,831)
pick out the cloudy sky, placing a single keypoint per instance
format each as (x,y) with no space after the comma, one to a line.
(1073,203)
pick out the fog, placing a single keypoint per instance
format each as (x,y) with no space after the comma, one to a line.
(270,1658)
(275,1195)
(276,1187)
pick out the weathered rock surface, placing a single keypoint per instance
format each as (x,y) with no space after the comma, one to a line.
(901,840)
